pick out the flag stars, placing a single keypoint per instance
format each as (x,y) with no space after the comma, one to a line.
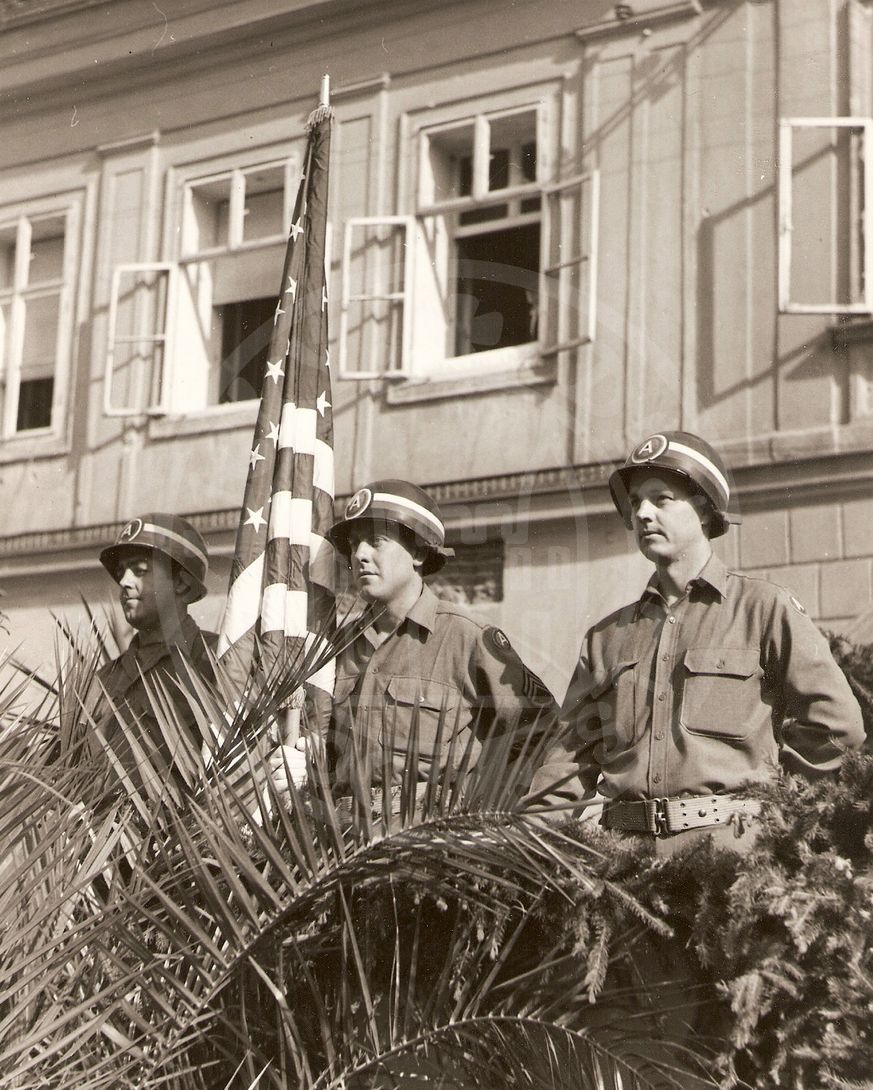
(321,403)
(296,230)
(274,371)
(279,311)
(292,287)
(255,519)
(256,457)
(327,358)
(324,297)
(273,433)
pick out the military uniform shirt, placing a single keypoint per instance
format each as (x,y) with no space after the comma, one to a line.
(703,696)
(440,661)
(123,682)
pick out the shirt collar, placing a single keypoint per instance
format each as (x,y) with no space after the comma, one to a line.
(424,611)
(712,574)
(422,614)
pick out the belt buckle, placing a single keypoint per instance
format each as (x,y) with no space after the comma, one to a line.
(659,817)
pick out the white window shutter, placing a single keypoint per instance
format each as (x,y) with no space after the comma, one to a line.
(139,338)
(568,273)
(375,327)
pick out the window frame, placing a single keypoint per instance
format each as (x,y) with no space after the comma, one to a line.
(181,180)
(786,226)
(480,116)
(21,216)
(163,336)
(551,267)
(404,296)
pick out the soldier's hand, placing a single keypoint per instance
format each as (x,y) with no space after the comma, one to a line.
(288,761)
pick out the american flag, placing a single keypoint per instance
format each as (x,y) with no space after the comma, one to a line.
(282,580)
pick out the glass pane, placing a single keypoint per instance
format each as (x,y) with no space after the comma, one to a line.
(207,215)
(245,341)
(265,197)
(450,154)
(35,404)
(40,336)
(512,150)
(47,250)
(7,256)
(497,289)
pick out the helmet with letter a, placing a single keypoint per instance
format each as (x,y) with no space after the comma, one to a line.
(398,503)
(170,535)
(689,457)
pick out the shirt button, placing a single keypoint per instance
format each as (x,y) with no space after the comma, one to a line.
(659,736)
(720,664)
(672,620)
(662,697)
(664,658)
(656,778)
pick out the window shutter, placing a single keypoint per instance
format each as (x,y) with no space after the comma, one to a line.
(374,328)
(568,276)
(139,339)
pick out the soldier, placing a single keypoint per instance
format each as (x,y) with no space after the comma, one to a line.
(422,660)
(706,683)
(159,562)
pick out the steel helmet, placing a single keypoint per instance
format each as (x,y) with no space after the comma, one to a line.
(690,457)
(402,504)
(169,535)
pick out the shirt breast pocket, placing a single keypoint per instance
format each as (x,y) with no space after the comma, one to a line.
(721,691)
(428,709)
(615,699)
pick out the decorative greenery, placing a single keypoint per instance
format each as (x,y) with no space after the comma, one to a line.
(211,933)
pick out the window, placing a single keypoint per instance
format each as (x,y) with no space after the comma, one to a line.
(204,321)
(496,267)
(37,265)
(479,216)
(823,179)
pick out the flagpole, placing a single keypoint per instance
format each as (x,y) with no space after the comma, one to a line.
(291,726)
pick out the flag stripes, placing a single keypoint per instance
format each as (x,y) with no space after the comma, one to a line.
(282,579)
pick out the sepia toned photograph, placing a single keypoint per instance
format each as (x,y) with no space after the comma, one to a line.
(436,583)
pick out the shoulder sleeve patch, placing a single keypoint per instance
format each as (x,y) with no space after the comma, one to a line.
(497,642)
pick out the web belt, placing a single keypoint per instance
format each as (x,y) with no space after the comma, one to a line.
(664,817)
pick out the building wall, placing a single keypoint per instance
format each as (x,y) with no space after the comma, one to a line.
(677,107)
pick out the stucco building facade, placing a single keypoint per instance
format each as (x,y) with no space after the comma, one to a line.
(555,227)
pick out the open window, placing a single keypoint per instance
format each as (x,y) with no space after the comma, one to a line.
(194,333)
(37,271)
(825,199)
(478,251)
(374,325)
(496,268)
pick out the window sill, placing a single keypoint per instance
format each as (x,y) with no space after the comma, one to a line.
(240,414)
(538,373)
(26,448)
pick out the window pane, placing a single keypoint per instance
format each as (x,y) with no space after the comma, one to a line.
(207,215)
(40,336)
(265,196)
(497,289)
(450,154)
(47,250)
(7,256)
(35,404)
(245,340)
(513,150)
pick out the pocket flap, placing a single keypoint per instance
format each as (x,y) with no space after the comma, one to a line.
(343,687)
(726,661)
(424,693)
(609,679)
